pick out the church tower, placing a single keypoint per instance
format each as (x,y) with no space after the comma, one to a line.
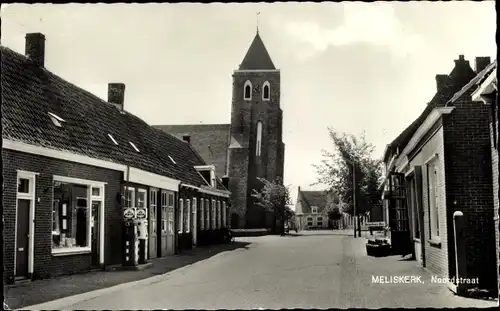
(256,146)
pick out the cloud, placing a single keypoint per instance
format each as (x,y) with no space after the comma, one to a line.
(374,23)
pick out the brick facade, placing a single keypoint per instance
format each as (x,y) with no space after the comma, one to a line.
(45,264)
(470,185)
(244,166)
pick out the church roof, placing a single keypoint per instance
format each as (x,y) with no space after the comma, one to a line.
(257,56)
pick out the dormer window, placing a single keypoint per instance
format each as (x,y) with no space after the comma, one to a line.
(134,146)
(247,91)
(113,139)
(208,174)
(56,119)
(266,92)
(314,209)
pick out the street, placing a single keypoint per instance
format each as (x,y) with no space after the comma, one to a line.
(313,270)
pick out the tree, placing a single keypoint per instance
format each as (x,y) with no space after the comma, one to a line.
(333,206)
(336,171)
(274,197)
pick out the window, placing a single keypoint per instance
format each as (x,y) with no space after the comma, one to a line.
(207,214)
(320,218)
(133,146)
(266,94)
(171,159)
(72,215)
(171,207)
(219,215)
(129,197)
(320,223)
(164,212)
(213,214)
(96,192)
(181,215)
(259,138)
(56,119)
(142,203)
(247,90)
(113,139)
(23,185)
(187,216)
(224,214)
(202,214)
(314,209)
(433,190)
(309,219)
(152,210)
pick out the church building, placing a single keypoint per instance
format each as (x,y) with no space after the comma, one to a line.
(251,145)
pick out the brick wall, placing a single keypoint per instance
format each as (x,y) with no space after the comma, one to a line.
(245,166)
(496,189)
(45,264)
(436,256)
(469,184)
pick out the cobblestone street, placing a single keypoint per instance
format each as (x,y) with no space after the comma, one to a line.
(321,269)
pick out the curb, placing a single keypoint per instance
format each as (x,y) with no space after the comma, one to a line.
(78,298)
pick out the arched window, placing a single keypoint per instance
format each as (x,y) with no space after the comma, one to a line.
(266,92)
(259,138)
(247,91)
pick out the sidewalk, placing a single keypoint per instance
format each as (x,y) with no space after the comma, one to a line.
(40,291)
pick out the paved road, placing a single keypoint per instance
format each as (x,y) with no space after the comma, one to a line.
(316,270)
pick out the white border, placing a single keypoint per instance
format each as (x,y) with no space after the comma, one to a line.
(31,196)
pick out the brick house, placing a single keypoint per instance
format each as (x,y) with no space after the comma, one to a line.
(78,161)
(438,165)
(251,145)
(486,92)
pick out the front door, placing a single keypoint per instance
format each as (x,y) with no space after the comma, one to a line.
(95,233)
(22,237)
(398,216)
(153,209)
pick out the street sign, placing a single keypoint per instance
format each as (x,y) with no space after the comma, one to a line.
(140,213)
(375,224)
(129,213)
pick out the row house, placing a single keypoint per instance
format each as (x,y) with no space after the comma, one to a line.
(440,165)
(486,92)
(73,163)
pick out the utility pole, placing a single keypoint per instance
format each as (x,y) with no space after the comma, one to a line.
(354,196)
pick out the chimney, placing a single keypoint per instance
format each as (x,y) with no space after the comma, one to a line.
(116,94)
(186,138)
(481,63)
(35,48)
(441,81)
(461,59)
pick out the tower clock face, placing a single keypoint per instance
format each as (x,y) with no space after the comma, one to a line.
(256,89)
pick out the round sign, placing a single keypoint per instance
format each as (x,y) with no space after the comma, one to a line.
(128,213)
(141,213)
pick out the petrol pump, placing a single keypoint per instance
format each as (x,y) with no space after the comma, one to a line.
(135,236)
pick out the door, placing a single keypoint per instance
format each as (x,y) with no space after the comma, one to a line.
(94,223)
(398,215)
(164,223)
(22,237)
(153,212)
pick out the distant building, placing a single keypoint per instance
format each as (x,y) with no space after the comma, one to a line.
(251,145)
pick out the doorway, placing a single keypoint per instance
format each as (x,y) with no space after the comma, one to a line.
(22,238)
(94,223)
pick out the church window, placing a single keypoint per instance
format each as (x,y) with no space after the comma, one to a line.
(259,138)
(248,90)
(266,93)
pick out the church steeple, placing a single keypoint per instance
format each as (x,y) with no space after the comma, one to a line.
(257,56)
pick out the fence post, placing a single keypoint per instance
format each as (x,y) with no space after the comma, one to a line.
(460,252)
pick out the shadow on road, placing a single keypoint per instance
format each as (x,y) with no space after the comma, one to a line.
(40,291)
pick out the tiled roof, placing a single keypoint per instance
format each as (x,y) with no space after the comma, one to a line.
(473,84)
(257,56)
(30,92)
(458,77)
(209,140)
(313,198)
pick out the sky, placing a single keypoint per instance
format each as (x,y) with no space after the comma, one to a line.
(350,66)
